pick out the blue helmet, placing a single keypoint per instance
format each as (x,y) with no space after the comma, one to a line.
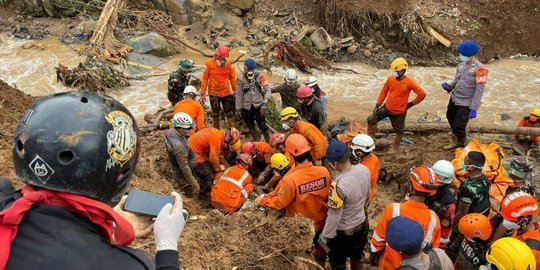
(468,48)
(250,63)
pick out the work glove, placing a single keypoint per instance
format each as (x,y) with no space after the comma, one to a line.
(263,109)
(447,87)
(409,105)
(203,97)
(169,224)
(374,258)
(142,225)
(257,200)
(324,243)
(472,114)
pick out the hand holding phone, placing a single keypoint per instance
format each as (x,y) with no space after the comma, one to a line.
(142,224)
(169,224)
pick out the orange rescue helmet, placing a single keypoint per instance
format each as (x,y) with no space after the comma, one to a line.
(518,204)
(276,139)
(475,225)
(297,145)
(424,179)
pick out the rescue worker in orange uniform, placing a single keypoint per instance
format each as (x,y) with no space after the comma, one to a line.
(533,120)
(476,230)
(277,142)
(230,191)
(317,141)
(190,106)
(423,182)
(303,191)
(219,81)
(362,146)
(261,152)
(395,95)
(518,210)
(280,167)
(207,144)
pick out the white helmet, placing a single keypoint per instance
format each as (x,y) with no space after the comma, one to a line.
(290,75)
(362,142)
(445,170)
(190,89)
(182,120)
(311,81)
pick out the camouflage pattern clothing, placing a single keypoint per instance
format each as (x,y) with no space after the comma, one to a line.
(475,191)
(178,80)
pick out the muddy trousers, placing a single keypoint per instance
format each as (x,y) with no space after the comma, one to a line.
(397,121)
(204,173)
(254,115)
(458,118)
(348,244)
(228,108)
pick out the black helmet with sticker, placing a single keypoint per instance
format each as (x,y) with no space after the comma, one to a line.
(77,142)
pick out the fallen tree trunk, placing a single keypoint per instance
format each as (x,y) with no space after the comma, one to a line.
(107,21)
(433,127)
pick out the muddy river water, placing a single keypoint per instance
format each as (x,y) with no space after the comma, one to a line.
(513,87)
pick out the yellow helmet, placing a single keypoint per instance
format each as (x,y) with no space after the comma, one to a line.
(399,64)
(279,161)
(288,113)
(511,254)
(536,112)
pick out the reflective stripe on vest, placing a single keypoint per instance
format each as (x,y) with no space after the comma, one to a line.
(238,183)
(432,223)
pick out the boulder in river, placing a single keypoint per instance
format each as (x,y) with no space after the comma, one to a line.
(152,43)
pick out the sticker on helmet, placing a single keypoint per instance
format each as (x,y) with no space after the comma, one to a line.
(121,141)
(41,169)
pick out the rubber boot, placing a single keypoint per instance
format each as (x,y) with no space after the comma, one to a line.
(372,130)
(231,121)
(397,141)
(461,142)
(215,120)
(452,145)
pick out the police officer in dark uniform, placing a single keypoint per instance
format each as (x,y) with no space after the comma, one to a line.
(76,152)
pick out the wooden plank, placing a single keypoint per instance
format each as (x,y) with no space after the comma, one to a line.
(444,41)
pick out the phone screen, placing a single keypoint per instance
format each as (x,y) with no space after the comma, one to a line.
(146,203)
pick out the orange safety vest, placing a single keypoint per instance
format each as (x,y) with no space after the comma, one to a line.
(372,163)
(419,212)
(219,81)
(315,138)
(193,109)
(303,191)
(231,190)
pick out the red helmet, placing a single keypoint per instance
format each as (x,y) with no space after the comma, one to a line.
(246,159)
(424,179)
(248,148)
(232,136)
(222,52)
(304,92)
(276,139)
(518,204)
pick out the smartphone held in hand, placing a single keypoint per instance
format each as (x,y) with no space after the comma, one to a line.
(146,203)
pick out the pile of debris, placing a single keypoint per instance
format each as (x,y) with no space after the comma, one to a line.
(92,75)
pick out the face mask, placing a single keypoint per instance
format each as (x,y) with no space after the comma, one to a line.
(464,58)
(301,100)
(395,74)
(250,75)
(464,166)
(221,62)
(285,126)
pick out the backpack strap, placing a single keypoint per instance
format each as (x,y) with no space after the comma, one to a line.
(434,260)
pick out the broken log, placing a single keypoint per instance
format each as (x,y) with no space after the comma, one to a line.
(107,22)
(432,127)
(444,41)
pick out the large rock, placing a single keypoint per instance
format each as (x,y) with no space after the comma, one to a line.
(321,39)
(179,10)
(152,43)
(142,63)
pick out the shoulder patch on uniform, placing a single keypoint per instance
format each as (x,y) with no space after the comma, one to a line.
(481,75)
(334,201)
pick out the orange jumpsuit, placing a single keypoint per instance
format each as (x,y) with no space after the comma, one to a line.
(315,138)
(264,151)
(193,109)
(532,239)
(303,191)
(419,212)
(372,162)
(219,80)
(526,122)
(396,93)
(231,190)
(206,144)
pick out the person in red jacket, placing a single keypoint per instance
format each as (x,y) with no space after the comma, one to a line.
(395,95)
(219,81)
